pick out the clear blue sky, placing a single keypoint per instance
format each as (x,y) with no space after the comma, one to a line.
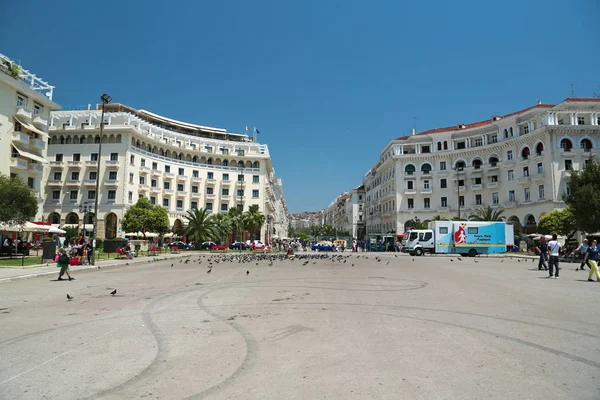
(328,83)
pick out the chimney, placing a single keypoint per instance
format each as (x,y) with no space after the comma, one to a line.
(412,131)
(496,118)
(539,102)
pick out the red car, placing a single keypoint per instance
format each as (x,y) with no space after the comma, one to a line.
(217,247)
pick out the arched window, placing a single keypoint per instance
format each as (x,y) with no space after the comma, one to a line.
(525,153)
(586,144)
(255,164)
(445,145)
(209,161)
(477,163)
(426,168)
(493,161)
(68,141)
(240,164)
(439,146)
(409,169)
(566,144)
(460,164)
(97,139)
(82,140)
(506,134)
(539,148)
(225,163)
(510,131)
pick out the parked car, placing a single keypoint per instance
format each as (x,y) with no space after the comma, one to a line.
(256,245)
(180,245)
(219,247)
(207,245)
(237,245)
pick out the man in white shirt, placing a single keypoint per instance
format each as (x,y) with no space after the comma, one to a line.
(554,249)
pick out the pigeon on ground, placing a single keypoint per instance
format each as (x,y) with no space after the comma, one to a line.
(476,261)
(451,260)
(113,292)
(208,272)
(413,259)
(385,263)
(171,265)
(459,259)
(247,272)
(69,297)
(501,261)
(353,265)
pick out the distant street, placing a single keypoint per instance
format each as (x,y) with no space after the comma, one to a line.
(361,329)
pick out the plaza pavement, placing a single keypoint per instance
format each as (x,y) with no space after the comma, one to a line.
(484,328)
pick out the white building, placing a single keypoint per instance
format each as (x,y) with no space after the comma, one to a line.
(25,105)
(174,164)
(518,161)
(345,213)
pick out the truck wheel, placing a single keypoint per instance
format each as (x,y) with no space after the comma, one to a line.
(472,253)
(419,252)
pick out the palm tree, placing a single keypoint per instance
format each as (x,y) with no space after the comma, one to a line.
(223,226)
(235,222)
(439,218)
(487,214)
(178,228)
(201,226)
(254,220)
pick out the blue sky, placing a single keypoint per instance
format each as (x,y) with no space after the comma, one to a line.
(328,83)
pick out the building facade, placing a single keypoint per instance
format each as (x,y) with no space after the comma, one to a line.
(345,213)
(25,106)
(177,165)
(519,162)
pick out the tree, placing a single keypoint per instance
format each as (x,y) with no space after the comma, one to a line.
(144,217)
(327,230)
(201,226)
(487,214)
(178,228)
(439,218)
(236,222)
(415,224)
(583,197)
(18,203)
(254,220)
(316,230)
(562,222)
(223,226)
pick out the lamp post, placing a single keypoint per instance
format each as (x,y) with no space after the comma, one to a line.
(458,186)
(105,100)
(241,216)
(84,208)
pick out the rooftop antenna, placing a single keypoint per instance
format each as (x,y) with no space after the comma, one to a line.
(414,128)
(597,94)
(572,91)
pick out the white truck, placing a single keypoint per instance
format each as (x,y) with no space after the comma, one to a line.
(459,237)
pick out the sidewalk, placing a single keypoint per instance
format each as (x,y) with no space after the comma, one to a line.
(8,274)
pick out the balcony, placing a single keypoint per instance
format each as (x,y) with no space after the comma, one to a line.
(89,182)
(73,182)
(410,191)
(493,167)
(241,183)
(195,194)
(55,182)
(182,177)
(524,160)
(74,164)
(538,155)
(112,163)
(180,209)
(169,175)
(53,201)
(476,171)
(538,177)
(40,121)
(210,196)
(168,192)
(492,185)
(426,174)
(181,193)
(461,189)
(143,188)
(211,181)
(111,182)
(36,167)
(143,168)
(477,186)
(511,203)
(196,179)
(226,182)
(20,137)
(155,189)
(565,174)
(426,190)
(524,180)
(443,209)
(91,163)
(225,196)
(24,113)
(409,175)
(37,143)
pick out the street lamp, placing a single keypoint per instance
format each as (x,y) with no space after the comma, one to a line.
(458,186)
(241,216)
(105,100)
(84,209)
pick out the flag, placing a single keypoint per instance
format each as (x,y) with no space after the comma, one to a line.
(256,130)
(246,129)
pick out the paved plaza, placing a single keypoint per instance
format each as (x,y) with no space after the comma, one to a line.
(399,328)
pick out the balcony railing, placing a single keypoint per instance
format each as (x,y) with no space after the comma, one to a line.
(476,186)
(492,185)
(20,137)
(24,112)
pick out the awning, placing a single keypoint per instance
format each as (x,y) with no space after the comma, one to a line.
(26,227)
(29,155)
(140,234)
(30,127)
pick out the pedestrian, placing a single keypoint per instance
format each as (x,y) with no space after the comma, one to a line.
(542,249)
(591,256)
(554,248)
(63,264)
(89,250)
(583,248)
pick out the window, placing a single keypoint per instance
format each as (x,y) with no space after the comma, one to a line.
(509,155)
(525,171)
(223,207)
(494,178)
(586,163)
(180,187)
(427,202)
(210,175)
(112,176)
(167,168)
(194,205)
(580,121)
(209,190)
(439,146)
(442,165)
(194,189)
(425,149)
(568,165)
(114,156)
(541,192)
(460,145)
(443,183)
(58,157)
(73,195)
(445,145)
(225,177)
(478,200)
(142,180)
(132,160)
(181,171)
(461,182)
(409,185)
(540,168)
(478,142)
(225,192)
(57,176)
(525,129)
(166,202)
(444,202)
(495,198)
(75,175)
(240,178)
(112,195)
(21,100)
(76,157)
(494,139)
(411,203)
(93,175)
(477,181)
(130,197)
(240,207)
(56,195)
(208,207)
(179,204)
(153,200)
(240,192)
(567,188)
(153,183)
(255,193)
(37,109)
(91,195)
(256,179)
(224,151)
(461,201)
(472,230)
(195,173)
(167,185)
(143,162)
(426,184)
(527,194)
(155,166)
(443,230)
(131,176)
(511,195)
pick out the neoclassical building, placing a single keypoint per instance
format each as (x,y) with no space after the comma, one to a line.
(517,161)
(177,165)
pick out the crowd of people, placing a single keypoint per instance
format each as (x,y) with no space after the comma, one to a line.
(551,251)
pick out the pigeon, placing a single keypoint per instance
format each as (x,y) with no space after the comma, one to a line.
(208,272)
(69,298)
(385,263)
(501,261)
(171,265)
(247,272)
(451,260)
(413,259)
(113,292)
(476,261)
(353,265)
(459,259)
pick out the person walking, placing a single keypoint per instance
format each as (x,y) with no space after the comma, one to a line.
(63,264)
(543,251)
(591,256)
(583,248)
(554,248)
